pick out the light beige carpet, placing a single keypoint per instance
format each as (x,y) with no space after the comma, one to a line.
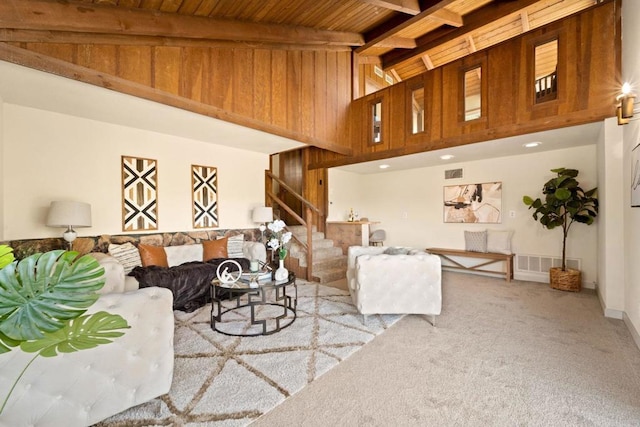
(502,354)
(230,381)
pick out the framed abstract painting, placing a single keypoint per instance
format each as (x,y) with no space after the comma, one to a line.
(473,203)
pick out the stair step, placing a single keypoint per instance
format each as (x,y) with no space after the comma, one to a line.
(301,229)
(318,254)
(330,263)
(316,236)
(326,276)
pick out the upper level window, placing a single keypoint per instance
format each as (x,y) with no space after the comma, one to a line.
(376,122)
(546,71)
(472,94)
(417,110)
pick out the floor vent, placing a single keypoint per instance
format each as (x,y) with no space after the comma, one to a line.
(453,173)
(542,264)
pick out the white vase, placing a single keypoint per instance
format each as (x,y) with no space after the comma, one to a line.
(281,273)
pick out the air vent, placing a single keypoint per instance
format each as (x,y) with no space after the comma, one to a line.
(453,173)
(542,264)
(388,79)
(378,71)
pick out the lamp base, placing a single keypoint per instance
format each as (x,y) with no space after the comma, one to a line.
(70,235)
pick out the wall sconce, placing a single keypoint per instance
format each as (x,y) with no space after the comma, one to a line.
(626,101)
(69,214)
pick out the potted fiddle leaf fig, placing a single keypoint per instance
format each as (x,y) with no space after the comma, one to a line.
(564,203)
(43,300)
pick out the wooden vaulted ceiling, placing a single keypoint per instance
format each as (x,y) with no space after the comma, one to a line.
(404,37)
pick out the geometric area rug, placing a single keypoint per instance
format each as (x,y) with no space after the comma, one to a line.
(219,380)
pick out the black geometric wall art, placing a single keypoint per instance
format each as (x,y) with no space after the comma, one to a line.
(139,194)
(204,185)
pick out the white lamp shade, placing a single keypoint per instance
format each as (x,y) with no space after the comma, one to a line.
(69,214)
(262,214)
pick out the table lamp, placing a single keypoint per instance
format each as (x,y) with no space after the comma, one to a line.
(262,215)
(69,214)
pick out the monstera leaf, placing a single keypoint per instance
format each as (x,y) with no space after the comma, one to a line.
(41,292)
(82,333)
(6,343)
(6,255)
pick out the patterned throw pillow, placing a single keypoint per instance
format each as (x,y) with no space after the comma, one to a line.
(234,246)
(153,255)
(475,241)
(127,255)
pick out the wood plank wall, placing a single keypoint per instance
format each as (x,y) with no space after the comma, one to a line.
(305,92)
(588,78)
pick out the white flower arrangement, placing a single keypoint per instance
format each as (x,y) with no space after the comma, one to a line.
(279,238)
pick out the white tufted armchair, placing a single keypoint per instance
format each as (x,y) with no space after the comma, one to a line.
(394,284)
(82,388)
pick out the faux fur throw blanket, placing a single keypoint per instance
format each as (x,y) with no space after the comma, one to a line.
(190,282)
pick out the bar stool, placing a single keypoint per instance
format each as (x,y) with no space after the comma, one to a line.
(377,238)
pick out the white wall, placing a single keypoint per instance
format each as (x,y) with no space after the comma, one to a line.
(409,203)
(611,228)
(344,194)
(631,73)
(52,156)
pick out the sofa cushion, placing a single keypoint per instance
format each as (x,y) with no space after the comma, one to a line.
(475,241)
(127,255)
(215,249)
(153,255)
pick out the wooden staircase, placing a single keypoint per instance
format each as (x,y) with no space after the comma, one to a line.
(329,264)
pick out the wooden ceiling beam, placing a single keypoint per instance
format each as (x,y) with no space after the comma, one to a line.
(426,60)
(473,21)
(397,24)
(375,60)
(97,19)
(447,17)
(397,43)
(34,36)
(411,7)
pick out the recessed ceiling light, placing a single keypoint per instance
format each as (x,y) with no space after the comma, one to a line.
(531,144)
(447,156)
(383,166)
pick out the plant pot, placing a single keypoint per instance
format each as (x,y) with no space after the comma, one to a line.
(568,280)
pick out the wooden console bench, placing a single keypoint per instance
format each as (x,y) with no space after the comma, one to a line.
(490,256)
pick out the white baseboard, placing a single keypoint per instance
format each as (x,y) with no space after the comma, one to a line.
(632,330)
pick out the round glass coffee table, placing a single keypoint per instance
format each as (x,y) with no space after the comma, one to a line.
(248,312)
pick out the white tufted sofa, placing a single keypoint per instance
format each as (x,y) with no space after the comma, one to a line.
(82,388)
(394,284)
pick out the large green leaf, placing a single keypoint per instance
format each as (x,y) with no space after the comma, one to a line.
(82,333)
(41,292)
(6,255)
(6,343)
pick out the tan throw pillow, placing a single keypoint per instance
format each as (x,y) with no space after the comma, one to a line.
(153,255)
(214,249)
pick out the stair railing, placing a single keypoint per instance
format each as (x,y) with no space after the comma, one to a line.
(272,199)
